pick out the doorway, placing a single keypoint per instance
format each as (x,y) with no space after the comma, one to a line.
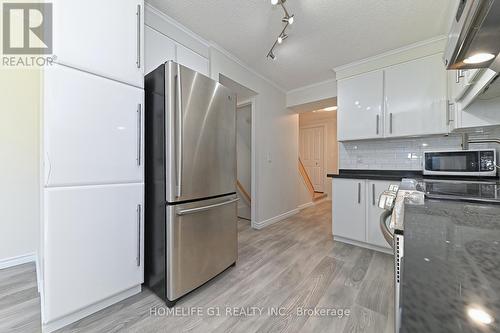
(245,148)
(318,152)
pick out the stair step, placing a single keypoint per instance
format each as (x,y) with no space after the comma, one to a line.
(319,196)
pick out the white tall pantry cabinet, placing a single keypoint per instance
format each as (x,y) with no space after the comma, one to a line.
(93,152)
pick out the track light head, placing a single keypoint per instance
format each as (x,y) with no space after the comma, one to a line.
(274,2)
(282,37)
(271,55)
(288,19)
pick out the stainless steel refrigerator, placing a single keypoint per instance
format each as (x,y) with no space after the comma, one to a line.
(190,172)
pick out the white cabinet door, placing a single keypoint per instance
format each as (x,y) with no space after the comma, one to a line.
(101,37)
(373,234)
(360,107)
(192,60)
(93,241)
(93,129)
(349,209)
(416,98)
(158,48)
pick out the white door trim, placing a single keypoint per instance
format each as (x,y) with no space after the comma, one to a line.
(253,156)
(325,148)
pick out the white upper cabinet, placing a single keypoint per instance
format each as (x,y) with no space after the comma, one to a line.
(360,107)
(415,98)
(159,49)
(101,37)
(93,241)
(93,129)
(192,60)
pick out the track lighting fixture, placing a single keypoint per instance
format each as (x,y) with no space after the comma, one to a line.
(288,19)
(281,38)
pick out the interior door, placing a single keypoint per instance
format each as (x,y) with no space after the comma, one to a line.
(202,241)
(312,154)
(202,139)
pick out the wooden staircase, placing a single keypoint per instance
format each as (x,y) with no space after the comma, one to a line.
(242,190)
(316,196)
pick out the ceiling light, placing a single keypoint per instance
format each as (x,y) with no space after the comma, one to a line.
(274,2)
(479,58)
(479,316)
(288,19)
(330,108)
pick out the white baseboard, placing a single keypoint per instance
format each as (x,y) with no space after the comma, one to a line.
(265,223)
(306,205)
(19,260)
(363,244)
(75,316)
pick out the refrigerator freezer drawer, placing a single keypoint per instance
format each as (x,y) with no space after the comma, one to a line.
(201,242)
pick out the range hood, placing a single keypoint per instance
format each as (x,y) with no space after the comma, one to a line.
(474,40)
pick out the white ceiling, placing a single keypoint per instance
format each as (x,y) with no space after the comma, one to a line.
(325,34)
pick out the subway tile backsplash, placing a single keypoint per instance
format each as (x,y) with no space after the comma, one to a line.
(401,154)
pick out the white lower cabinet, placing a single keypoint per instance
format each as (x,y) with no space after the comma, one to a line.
(348,204)
(355,211)
(92,245)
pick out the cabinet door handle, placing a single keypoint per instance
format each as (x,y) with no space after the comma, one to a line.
(449,118)
(138,13)
(373,194)
(138,258)
(390,122)
(460,74)
(139,133)
(378,121)
(359,192)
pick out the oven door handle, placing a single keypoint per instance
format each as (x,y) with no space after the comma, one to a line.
(388,235)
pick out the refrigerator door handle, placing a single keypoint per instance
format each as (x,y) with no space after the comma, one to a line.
(179,131)
(201,209)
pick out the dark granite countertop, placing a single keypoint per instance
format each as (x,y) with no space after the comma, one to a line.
(398,175)
(451,266)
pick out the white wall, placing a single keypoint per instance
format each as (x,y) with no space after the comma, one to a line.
(326,90)
(19,167)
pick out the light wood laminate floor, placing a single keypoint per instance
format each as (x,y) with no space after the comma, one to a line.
(291,265)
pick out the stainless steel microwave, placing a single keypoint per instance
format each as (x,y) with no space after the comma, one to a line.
(460,163)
